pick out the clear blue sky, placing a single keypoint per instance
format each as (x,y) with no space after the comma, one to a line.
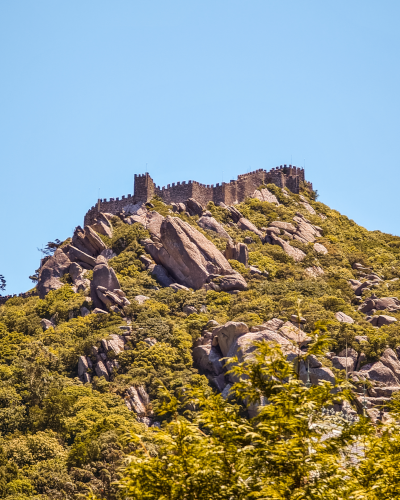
(93,91)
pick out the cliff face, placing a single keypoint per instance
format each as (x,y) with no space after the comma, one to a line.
(158,295)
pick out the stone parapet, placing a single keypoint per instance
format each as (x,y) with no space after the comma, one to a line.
(230,193)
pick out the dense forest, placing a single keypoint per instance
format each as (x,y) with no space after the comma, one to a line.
(270,431)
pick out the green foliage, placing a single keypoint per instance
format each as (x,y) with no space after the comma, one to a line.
(127,237)
(63,439)
(220,454)
(160,207)
(263,262)
(60,302)
(220,214)
(239,267)
(27,450)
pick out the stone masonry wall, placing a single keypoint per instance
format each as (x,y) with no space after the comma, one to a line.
(230,193)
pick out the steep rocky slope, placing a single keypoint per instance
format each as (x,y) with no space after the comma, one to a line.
(156,298)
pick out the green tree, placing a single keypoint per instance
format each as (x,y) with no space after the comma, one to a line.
(220,454)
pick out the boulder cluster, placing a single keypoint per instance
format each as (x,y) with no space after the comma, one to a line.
(178,254)
(87,251)
(103,361)
(235,339)
(371,305)
(190,258)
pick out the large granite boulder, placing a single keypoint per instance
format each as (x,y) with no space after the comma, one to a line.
(102,225)
(272,324)
(243,347)
(84,364)
(194,207)
(208,359)
(95,240)
(378,372)
(231,282)
(160,274)
(304,232)
(341,362)
(245,225)
(364,286)
(265,195)
(207,222)
(317,374)
(349,353)
(237,251)
(188,256)
(354,284)
(308,207)
(390,360)
(343,318)
(381,320)
(51,272)
(286,226)
(350,358)
(77,255)
(320,248)
(389,303)
(234,213)
(153,223)
(296,254)
(104,277)
(294,334)
(82,242)
(149,220)
(80,283)
(137,400)
(228,333)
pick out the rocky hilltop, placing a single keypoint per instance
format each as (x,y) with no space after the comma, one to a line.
(156,299)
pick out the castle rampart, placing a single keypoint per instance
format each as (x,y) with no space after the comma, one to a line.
(230,193)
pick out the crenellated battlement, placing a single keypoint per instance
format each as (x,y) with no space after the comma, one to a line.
(232,192)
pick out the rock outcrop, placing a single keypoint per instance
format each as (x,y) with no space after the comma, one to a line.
(381,320)
(296,254)
(102,225)
(245,225)
(228,333)
(320,248)
(305,231)
(105,289)
(343,318)
(208,222)
(194,207)
(51,272)
(265,195)
(237,251)
(378,372)
(375,304)
(137,400)
(190,258)
(149,220)
(234,339)
(80,283)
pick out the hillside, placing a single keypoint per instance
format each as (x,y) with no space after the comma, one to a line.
(119,349)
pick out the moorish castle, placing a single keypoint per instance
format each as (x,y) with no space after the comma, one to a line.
(230,193)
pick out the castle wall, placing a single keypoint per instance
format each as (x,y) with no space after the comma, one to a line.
(230,193)
(112,206)
(177,193)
